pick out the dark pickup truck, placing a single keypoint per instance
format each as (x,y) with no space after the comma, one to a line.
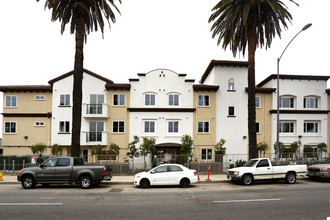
(58,170)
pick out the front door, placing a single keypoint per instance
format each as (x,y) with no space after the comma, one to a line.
(159,176)
(263,170)
(47,171)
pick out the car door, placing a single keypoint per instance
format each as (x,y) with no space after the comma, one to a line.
(175,174)
(159,176)
(63,169)
(46,171)
(263,170)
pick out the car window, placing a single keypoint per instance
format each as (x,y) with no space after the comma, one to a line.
(63,162)
(263,163)
(327,161)
(161,169)
(50,162)
(78,161)
(175,168)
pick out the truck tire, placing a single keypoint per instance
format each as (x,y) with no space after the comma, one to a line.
(247,179)
(290,178)
(86,182)
(28,182)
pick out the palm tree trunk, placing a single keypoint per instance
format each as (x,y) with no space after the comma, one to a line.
(252,38)
(77,87)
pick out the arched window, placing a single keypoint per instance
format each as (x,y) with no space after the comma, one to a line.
(231,84)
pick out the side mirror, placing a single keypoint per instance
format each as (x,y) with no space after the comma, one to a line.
(41,166)
(152,172)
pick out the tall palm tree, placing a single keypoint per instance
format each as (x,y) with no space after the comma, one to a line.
(84,16)
(239,23)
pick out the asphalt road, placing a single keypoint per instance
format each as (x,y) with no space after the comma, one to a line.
(304,200)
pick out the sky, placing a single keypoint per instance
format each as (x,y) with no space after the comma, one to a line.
(148,35)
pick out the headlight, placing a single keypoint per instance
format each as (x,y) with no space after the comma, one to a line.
(236,172)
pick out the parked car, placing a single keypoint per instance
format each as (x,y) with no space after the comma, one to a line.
(166,174)
(262,169)
(321,170)
(64,170)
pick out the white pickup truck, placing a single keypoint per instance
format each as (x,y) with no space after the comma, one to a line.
(262,169)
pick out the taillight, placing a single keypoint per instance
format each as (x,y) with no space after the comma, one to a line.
(104,170)
(195,173)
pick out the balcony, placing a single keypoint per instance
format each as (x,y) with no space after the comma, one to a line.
(94,138)
(95,110)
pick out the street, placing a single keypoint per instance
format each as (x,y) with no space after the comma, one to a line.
(266,200)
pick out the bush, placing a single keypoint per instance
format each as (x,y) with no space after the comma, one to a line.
(240,163)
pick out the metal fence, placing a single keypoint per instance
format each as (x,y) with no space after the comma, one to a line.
(123,165)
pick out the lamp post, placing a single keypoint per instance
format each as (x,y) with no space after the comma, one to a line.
(278,94)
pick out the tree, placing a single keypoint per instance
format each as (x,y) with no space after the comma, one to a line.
(96,150)
(133,151)
(322,147)
(38,148)
(295,147)
(84,16)
(114,150)
(219,148)
(57,149)
(186,147)
(281,149)
(147,147)
(254,23)
(262,147)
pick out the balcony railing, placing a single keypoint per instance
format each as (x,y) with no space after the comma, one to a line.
(94,108)
(93,136)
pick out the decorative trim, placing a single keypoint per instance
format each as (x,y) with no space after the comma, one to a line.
(300,111)
(161,109)
(292,77)
(202,87)
(32,115)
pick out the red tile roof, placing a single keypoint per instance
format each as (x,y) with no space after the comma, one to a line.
(298,77)
(51,82)
(214,63)
(35,88)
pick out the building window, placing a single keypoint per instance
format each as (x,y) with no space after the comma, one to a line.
(65,100)
(311,127)
(118,127)
(286,127)
(10,127)
(173,127)
(286,102)
(203,100)
(95,130)
(11,101)
(39,123)
(231,84)
(64,127)
(257,101)
(257,127)
(203,127)
(40,97)
(310,102)
(231,111)
(119,99)
(149,99)
(173,100)
(206,154)
(149,126)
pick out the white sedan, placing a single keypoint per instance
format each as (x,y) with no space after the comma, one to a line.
(166,174)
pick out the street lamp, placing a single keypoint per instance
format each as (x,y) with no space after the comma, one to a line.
(278,94)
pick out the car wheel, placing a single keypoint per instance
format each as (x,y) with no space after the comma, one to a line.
(86,182)
(144,183)
(247,179)
(290,178)
(28,182)
(184,183)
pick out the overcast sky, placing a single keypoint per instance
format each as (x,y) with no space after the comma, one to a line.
(150,34)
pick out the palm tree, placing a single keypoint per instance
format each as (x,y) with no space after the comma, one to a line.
(239,23)
(84,16)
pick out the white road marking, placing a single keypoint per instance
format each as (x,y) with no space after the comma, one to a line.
(247,200)
(27,204)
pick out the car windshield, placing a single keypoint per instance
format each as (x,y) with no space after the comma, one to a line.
(250,163)
(327,161)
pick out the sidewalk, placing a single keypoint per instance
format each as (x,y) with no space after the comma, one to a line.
(214,178)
